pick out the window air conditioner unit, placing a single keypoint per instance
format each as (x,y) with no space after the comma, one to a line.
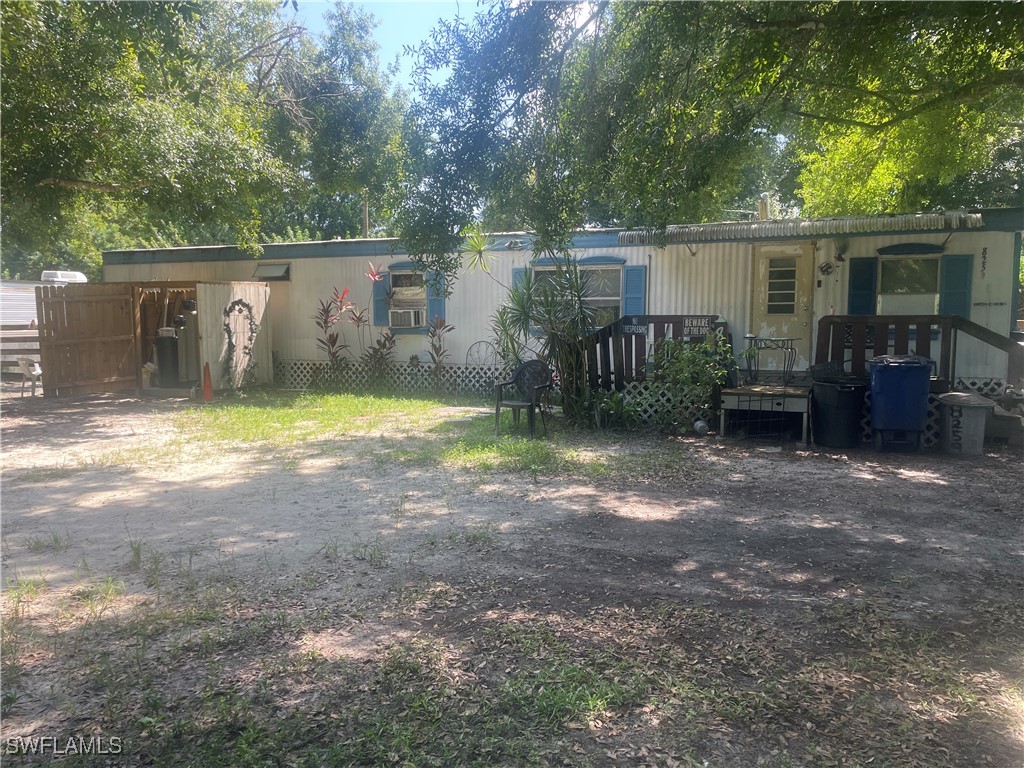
(406,318)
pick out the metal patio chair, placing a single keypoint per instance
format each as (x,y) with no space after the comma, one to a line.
(529,382)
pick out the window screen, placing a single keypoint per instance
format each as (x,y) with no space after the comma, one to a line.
(604,291)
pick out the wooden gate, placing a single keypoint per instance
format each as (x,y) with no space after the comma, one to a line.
(87,338)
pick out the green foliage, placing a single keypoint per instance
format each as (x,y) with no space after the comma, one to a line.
(554,116)
(436,332)
(691,374)
(612,410)
(378,361)
(552,309)
(153,124)
(508,342)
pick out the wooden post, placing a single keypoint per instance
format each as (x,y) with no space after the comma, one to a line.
(137,326)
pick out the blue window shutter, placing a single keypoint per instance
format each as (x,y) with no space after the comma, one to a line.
(518,276)
(381,289)
(435,296)
(955,285)
(863,287)
(634,290)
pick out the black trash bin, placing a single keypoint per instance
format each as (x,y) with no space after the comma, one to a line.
(836,410)
(167,361)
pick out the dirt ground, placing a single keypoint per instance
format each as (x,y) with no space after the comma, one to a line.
(923,546)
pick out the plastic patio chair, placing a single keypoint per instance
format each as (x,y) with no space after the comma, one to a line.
(29,370)
(525,389)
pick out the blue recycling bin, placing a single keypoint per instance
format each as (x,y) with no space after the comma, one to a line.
(899,397)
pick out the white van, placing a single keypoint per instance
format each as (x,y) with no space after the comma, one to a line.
(61,276)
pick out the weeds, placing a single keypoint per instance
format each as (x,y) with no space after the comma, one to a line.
(400,510)
(23,590)
(480,536)
(331,549)
(51,542)
(97,598)
(45,474)
(374,553)
(135,546)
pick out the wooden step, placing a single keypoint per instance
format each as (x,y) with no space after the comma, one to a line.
(1001,424)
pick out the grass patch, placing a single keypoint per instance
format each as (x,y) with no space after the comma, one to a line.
(415,437)
(213,679)
(563,692)
(286,418)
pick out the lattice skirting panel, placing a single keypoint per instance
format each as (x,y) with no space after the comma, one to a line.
(986,387)
(455,379)
(932,428)
(656,406)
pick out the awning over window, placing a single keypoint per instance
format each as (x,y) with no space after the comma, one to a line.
(272,272)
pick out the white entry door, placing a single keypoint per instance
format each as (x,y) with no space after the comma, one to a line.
(780,306)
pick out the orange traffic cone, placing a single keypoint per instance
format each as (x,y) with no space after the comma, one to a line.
(207,384)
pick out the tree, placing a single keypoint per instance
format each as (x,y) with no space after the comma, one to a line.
(185,123)
(140,102)
(645,114)
(337,123)
(484,125)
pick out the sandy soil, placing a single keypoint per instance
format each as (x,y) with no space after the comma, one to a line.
(735,523)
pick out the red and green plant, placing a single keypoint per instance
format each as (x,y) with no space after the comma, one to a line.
(436,332)
(375,354)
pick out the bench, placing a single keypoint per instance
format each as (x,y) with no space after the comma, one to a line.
(17,340)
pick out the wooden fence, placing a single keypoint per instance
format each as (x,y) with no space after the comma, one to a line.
(617,353)
(855,339)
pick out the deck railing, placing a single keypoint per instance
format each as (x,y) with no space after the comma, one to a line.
(617,353)
(855,339)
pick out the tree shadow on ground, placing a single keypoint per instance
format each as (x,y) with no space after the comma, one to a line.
(364,608)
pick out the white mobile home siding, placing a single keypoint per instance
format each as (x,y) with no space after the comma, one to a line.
(704,276)
(991,290)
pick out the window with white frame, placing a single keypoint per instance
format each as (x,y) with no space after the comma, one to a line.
(604,290)
(408,305)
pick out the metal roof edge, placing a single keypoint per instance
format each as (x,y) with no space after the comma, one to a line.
(991,219)
(362,248)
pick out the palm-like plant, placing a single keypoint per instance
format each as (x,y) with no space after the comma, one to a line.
(553,308)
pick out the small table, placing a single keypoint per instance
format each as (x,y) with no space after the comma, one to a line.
(761,397)
(784,345)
